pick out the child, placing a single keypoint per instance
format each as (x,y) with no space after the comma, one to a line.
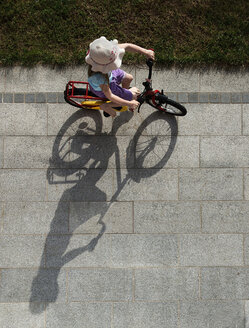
(104,75)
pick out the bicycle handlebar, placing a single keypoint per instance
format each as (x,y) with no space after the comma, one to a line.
(141,100)
(146,84)
(149,63)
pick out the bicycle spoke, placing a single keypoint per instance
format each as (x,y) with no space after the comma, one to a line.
(150,151)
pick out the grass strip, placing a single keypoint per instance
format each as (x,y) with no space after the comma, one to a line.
(182,32)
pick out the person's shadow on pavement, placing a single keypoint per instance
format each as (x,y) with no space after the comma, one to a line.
(86,145)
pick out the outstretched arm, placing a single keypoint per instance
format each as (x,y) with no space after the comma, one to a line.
(134,48)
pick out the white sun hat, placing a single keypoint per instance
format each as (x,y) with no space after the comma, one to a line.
(104,56)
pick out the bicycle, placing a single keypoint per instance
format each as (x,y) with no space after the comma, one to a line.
(84,98)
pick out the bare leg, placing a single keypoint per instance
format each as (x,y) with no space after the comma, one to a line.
(107,107)
(127,79)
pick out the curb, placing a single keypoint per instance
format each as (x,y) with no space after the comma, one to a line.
(182,97)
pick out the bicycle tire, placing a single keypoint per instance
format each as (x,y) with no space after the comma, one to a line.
(165,105)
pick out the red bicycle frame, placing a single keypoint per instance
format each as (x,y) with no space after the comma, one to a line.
(75,95)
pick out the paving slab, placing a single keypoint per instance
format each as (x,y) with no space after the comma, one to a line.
(41,78)
(246,184)
(100,284)
(22,185)
(16,251)
(23,119)
(32,218)
(137,221)
(1,151)
(211,119)
(75,251)
(16,285)
(224,283)
(211,184)
(225,217)
(145,315)
(246,249)
(117,216)
(149,186)
(183,80)
(28,152)
(182,151)
(220,314)
(223,80)
(82,315)
(211,250)
(80,185)
(1,216)
(143,250)
(245,122)
(229,151)
(167,217)
(166,284)
(18,315)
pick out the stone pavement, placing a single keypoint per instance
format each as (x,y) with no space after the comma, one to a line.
(137,222)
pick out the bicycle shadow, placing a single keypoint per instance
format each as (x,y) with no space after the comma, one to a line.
(85,148)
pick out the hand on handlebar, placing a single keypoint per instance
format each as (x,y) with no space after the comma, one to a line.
(150,54)
(133,105)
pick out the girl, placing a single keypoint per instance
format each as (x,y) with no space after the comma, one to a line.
(104,75)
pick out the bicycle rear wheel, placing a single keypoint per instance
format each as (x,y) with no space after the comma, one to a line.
(169,106)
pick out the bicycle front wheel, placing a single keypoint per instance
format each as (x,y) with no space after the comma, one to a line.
(169,106)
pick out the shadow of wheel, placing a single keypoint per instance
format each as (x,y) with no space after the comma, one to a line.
(152,145)
(81,123)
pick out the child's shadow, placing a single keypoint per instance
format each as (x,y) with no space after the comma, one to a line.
(80,156)
(77,158)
